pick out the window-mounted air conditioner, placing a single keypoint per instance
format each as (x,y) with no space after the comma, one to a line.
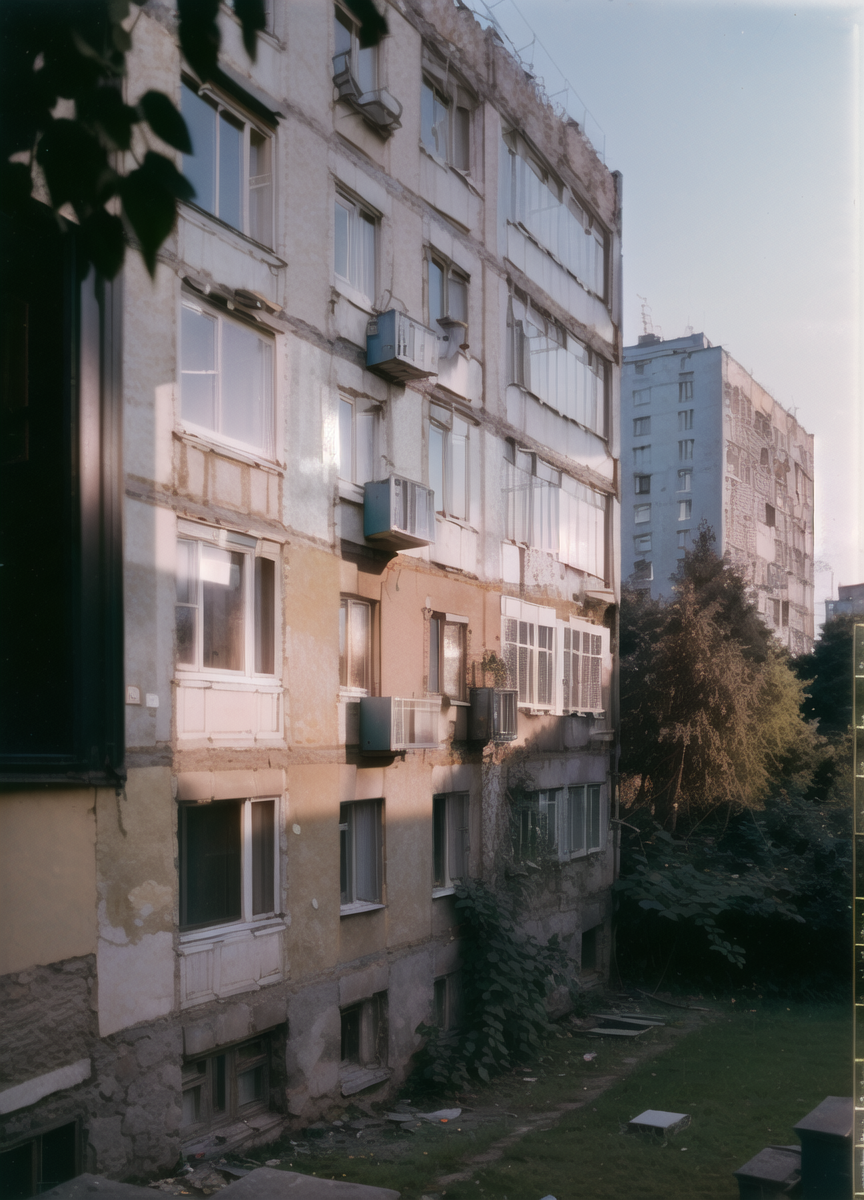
(379,108)
(390,723)
(400,349)
(493,714)
(399,513)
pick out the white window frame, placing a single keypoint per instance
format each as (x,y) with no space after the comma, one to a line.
(641,426)
(268,450)
(356,51)
(363,423)
(685,510)
(363,289)
(685,390)
(584,667)
(641,542)
(642,396)
(350,605)
(249,183)
(643,572)
(685,450)
(641,514)
(685,480)
(448,92)
(350,902)
(451,840)
(641,457)
(642,485)
(252,549)
(248,919)
(436,672)
(194,1078)
(683,539)
(537,820)
(455,434)
(531,666)
(583,820)
(685,419)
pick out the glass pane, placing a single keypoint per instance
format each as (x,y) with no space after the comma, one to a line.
(459,470)
(223,623)
(436,292)
(187,572)
(230,170)
(440,126)
(343,644)
(366,263)
(436,465)
(247,387)
(210,863)
(427,116)
(260,188)
(360,645)
(250,1086)
(364,436)
(346,431)
(434,655)
(346,857)
(342,217)
(454,672)
(365,830)
(191,1112)
(367,68)
(439,840)
(198,368)
(342,28)
(457,299)
(457,854)
(265,615)
(461,139)
(186,620)
(263,849)
(351,1035)
(200,167)
(218,1070)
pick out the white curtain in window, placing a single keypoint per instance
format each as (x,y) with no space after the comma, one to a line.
(365,822)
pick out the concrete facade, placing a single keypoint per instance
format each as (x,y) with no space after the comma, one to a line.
(140,1004)
(702,440)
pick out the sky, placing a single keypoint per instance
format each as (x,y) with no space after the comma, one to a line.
(737,129)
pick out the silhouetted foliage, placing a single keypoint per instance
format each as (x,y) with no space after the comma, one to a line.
(827,674)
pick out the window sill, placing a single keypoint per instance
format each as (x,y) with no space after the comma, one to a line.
(237,931)
(228,450)
(350,910)
(221,683)
(355,1078)
(439,516)
(208,221)
(352,492)
(353,296)
(437,893)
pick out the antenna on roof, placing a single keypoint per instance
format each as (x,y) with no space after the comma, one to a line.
(648,325)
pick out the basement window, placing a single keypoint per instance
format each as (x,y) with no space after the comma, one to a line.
(364,1037)
(228,1086)
(40,1163)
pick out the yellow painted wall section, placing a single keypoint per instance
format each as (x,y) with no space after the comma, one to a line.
(312,645)
(47,877)
(313,867)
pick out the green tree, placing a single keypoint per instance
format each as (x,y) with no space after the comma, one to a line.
(827,674)
(57,50)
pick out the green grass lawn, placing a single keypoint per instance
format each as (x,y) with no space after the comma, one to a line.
(746,1078)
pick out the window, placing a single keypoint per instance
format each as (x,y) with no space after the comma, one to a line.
(445,124)
(448,303)
(448,463)
(763,457)
(642,514)
(685,419)
(583,834)
(685,507)
(553,217)
(40,1163)
(685,480)
(354,261)
(556,367)
(535,825)
(641,542)
(364,1041)
(355,645)
(685,450)
(360,61)
(228,869)
(226,383)
(226,605)
(551,511)
(360,854)
(226,1087)
(641,456)
(451,840)
(683,539)
(643,572)
(770,516)
(785,611)
(642,396)
(583,670)
(685,390)
(640,368)
(231,168)
(529,651)
(641,426)
(447,1001)
(643,485)
(358,429)
(447,656)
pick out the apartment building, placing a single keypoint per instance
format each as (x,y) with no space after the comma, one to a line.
(702,440)
(347,469)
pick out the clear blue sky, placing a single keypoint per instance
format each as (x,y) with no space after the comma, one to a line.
(734,126)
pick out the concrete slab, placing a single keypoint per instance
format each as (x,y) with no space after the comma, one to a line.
(266,1183)
(655,1120)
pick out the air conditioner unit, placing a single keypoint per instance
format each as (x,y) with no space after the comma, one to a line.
(379,108)
(493,714)
(399,513)
(391,723)
(400,349)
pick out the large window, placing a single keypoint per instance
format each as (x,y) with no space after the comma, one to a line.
(448,462)
(360,61)
(40,1162)
(550,213)
(354,247)
(685,450)
(228,865)
(358,430)
(535,825)
(564,823)
(229,1086)
(582,833)
(451,840)
(231,167)
(583,670)
(448,304)
(685,507)
(643,485)
(445,124)
(556,367)
(226,605)
(360,836)
(226,380)
(355,645)
(447,656)
(685,420)
(529,652)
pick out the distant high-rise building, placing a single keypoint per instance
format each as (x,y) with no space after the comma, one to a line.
(702,440)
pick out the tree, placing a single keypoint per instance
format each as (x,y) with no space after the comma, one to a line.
(57,51)
(827,675)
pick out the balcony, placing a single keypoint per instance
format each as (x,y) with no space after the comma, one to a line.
(398,513)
